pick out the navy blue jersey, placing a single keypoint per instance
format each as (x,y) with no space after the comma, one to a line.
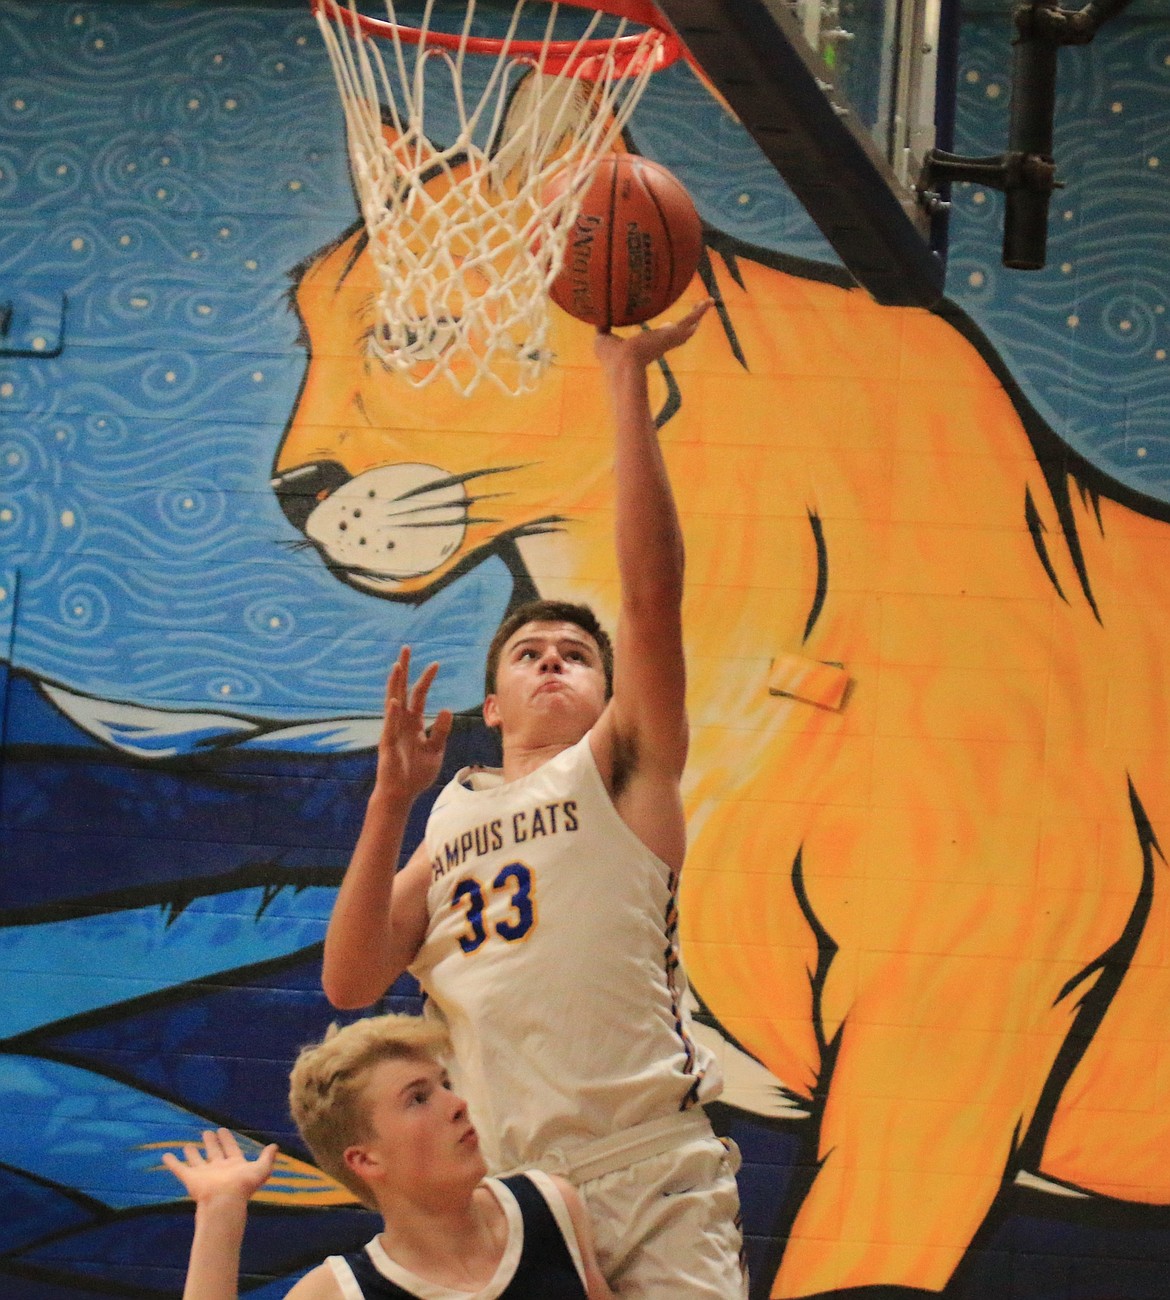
(537,1262)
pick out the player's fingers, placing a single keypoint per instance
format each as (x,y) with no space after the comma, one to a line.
(392,692)
(690,322)
(192,1154)
(418,697)
(396,680)
(173,1163)
(699,310)
(439,731)
(211,1144)
(392,723)
(228,1143)
(266,1159)
(401,671)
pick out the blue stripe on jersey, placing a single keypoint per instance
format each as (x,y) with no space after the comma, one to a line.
(671,963)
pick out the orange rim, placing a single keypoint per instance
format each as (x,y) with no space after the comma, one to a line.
(576,58)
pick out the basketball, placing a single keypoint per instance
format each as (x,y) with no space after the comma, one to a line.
(634,246)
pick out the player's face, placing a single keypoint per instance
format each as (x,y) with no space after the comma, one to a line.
(549,674)
(422,1138)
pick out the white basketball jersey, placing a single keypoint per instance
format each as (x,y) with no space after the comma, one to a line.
(552,954)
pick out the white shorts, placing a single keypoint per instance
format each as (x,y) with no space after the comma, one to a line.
(667,1226)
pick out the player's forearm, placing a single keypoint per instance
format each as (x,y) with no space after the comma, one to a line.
(357,967)
(648,537)
(214,1267)
(599,1289)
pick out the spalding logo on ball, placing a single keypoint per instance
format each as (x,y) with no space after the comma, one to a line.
(634,246)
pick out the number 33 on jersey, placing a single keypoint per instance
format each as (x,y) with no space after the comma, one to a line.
(515,880)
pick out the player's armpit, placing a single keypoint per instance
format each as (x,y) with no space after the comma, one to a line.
(596,1287)
(640,742)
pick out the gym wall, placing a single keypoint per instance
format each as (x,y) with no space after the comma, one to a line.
(925,907)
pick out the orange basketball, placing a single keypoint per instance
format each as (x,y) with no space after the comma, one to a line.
(634,246)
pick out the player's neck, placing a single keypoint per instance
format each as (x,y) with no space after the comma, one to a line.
(456,1244)
(522,756)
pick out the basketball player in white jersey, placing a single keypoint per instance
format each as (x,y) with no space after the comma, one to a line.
(539,913)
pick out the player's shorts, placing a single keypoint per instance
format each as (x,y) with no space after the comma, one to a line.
(666,1221)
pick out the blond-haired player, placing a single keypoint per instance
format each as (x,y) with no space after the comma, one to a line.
(375,1107)
(540,913)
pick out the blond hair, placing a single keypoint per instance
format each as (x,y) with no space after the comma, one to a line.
(326,1094)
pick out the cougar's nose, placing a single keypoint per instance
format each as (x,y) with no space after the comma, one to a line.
(301,490)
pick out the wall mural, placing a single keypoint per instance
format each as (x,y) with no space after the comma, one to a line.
(925,905)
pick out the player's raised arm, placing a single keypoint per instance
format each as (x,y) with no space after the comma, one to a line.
(221,1180)
(378,922)
(643,736)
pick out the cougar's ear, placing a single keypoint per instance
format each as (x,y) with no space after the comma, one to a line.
(545,114)
(410,153)
(390,133)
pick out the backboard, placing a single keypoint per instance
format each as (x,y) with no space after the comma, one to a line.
(844,99)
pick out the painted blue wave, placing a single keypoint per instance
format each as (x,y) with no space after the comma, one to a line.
(82,1130)
(59,969)
(167,733)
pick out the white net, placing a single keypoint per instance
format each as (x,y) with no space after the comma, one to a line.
(463,239)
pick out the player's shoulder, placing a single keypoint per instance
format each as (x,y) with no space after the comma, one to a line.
(554,1190)
(566,1189)
(318,1284)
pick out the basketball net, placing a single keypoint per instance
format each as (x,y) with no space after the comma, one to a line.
(461,241)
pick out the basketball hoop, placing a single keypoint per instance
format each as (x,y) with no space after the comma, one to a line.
(461,239)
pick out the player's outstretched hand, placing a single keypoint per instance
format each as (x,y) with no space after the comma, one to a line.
(221,1171)
(647,346)
(409,753)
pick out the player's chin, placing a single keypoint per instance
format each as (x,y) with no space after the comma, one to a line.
(558,701)
(474,1157)
(568,708)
